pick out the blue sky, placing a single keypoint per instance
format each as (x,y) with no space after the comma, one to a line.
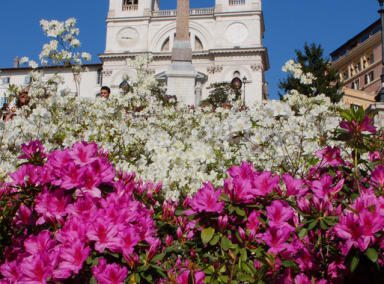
(289,24)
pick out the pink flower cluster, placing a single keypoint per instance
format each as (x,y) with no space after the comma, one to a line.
(78,219)
(71,201)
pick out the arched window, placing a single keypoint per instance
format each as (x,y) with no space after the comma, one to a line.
(198,44)
(165,46)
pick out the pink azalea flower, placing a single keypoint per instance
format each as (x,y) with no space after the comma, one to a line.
(206,200)
(253,223)
(239,190)
(104,234)
(72,256)
(295,187)
(89,183)
(275,238)
(128,239)
(245,171)
(74,229)
(377,176)
(183,278)
(31,149)
(264,183)
(103,169)
(109,273)
(83,153)
(37,245)
(26,174)
(349,228)
(302,279)
(375,156)
(279,213)
(50,205)
(24,216)
(356,128)
(330,156)
(11,272)
(70,176)
(35,269)
(58,160)
(323,187)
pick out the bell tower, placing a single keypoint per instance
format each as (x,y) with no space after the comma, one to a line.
(132,8)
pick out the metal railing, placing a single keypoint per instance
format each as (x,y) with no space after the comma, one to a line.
(173,13)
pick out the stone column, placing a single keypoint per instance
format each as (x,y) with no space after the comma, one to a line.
(181,75)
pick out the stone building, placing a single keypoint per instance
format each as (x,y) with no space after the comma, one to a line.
(226,41)
(359,62)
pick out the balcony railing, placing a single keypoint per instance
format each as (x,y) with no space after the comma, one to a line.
(236,2)
(130,7)
(173,13)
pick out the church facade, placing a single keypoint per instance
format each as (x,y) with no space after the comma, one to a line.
(226,42)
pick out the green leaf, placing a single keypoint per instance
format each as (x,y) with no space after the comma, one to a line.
(288,263)
(207,234)
(303,233)
(240,212)
(371,253)
(245,278)
(214,240)
(323,225)
(354,263)
(158,257)
(209,270)
(312,225)
(225,243)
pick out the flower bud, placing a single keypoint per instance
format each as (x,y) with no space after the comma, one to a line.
(223,222)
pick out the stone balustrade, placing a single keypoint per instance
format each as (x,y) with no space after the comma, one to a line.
(236,2)
(173,13)
(130,7)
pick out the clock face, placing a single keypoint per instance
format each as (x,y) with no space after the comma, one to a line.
(127,37)
(236,33)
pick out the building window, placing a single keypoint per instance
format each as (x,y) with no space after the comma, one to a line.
(5,80)
(345,75)
(166,45)
(369,77)
(99,77)
(358,67)
(27,79)
(198,44)
(372,58)
(130,5)
(356,84)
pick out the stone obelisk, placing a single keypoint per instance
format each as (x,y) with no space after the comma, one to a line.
(181,75)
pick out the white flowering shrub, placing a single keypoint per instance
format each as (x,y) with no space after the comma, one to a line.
(61,50)
(180,147)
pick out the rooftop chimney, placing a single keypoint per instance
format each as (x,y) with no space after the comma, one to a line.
(16,62)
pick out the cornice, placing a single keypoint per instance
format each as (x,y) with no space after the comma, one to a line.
(201,16)
(209,53)
(357,51)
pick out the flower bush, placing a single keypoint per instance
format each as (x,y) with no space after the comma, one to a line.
(70,217)
(179,147)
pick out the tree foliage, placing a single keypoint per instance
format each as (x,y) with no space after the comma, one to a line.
(326,80)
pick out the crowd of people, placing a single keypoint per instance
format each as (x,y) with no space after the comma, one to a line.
(8,110)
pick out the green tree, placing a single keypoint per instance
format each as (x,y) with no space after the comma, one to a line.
(221,93)
(326,80)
